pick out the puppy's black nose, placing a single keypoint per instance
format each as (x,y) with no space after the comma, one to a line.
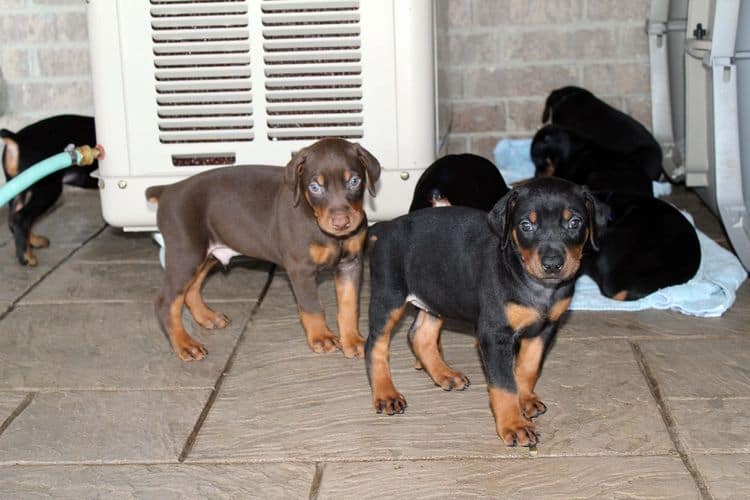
(552,263)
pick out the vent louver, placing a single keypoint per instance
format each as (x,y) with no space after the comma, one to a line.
(312,57)
(202,70)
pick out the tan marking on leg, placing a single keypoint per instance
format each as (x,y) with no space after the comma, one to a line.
(11,156)
(621,295)
(352,342)
(29,256)
(426,345)
(512,427)
(319,337)
(322,254)
(559,308)
(386,398)
(520,317)
(203,315)
(185,346)
(38,241)
(526,372)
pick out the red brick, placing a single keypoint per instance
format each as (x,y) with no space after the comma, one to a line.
(525,116)
(617,78)
(478,117)
(524,81)
(611,10)
(548,44)
(484,145)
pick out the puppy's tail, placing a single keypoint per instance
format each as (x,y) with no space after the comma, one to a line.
(153,193)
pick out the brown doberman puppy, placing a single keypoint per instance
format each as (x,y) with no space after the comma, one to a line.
(305,217)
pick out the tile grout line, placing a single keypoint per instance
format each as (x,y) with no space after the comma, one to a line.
(19,409)
(317,480)
(669,422)
(54,268)
(188,447)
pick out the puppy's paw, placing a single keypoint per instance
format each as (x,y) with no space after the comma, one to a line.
(190,350)
(353,346)
(27,259)
(322,342)
(389,402)
(531,406)
(215,321)
(451,379)
(37,241)
(517,430)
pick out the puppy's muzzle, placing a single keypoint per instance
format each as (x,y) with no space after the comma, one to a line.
(341,222)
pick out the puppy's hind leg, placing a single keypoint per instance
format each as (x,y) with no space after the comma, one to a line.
(425,342)
(203,315)
(180,272)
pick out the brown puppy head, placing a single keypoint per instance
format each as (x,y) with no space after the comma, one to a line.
(332,175)
(547,222)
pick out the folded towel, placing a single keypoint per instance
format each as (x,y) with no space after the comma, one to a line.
(711,291)
(513,159)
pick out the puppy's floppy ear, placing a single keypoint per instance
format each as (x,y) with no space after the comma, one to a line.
(598,214)
(293,172)
(372,167)
(499,217)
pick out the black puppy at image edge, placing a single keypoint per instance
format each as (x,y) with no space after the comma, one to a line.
(29,146)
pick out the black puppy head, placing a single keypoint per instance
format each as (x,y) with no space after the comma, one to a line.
(551,146)
(547,222)
(332,175)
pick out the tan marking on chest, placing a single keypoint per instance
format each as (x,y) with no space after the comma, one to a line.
(353,245)
(559,308)
(322,254)
(520,317)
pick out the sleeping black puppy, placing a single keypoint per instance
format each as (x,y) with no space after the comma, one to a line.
(559,152)
(591,143)
(511,273)
(464,179)
(31,145)
(646,245)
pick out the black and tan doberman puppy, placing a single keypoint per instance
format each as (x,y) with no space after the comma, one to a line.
(305,217)
(31,145)
(589,142)
(511,273)
(464,179)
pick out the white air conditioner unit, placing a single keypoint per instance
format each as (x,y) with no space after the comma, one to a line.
(181,86)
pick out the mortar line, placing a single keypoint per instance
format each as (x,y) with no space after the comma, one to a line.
(19,409)
(188,447)
(317,480)
(54,268)
(669,422)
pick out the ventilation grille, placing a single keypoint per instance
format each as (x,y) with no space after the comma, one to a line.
(202,70)
(313,68)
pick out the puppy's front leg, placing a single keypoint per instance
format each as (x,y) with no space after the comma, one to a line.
(348,277)
(496,349)
(319,336)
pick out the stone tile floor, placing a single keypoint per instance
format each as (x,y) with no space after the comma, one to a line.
(93,404)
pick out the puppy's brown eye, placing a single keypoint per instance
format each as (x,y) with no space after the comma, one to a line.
(354,182)
(574,223)
(526,226)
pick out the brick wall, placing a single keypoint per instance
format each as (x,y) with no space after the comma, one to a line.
(498,60)
(44,60)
